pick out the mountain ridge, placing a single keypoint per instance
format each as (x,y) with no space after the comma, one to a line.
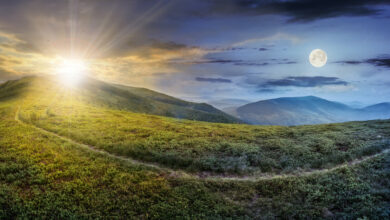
(134,99)
(306,110)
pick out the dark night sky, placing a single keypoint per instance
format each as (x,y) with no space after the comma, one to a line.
(207,50)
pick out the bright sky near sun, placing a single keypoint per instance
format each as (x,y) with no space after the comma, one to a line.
(205,50)
(71,71)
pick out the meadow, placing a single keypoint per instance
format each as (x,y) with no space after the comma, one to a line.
(213,148)
(43,176)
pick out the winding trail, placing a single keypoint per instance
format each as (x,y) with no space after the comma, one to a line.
(184,174)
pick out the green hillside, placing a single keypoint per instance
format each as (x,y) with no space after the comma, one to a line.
(73,153)
(133,99)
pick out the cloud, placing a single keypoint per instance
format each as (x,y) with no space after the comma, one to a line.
(353,62)
(87,28)
(300,10)
(18,58)
(149,57)
(275,37)
(157,50)
(336,88)
(242,62)
(304,81)
(213,80)
(382,61)
(11,42)
(251,64)
(212,60)
(266,90)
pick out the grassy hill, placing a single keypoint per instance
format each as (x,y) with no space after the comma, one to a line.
(45,176)
(306,110)
(133,99)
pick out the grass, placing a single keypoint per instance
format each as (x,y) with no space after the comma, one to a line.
(42,176)
(210,147)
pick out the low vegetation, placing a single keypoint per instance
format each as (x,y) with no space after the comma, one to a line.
(42,176)
(206,147)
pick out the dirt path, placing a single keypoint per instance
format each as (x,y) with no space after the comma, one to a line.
(183,174)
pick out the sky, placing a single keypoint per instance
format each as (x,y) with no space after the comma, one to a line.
(232,51)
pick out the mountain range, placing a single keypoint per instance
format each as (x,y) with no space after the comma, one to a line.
(280,111)
(305,110)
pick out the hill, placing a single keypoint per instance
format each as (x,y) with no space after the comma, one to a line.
(381,108)
(65,156)
(305,110)
(128,98)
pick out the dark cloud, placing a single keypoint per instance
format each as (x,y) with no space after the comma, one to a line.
(251,64)
(213,80)
(221,61)
(383,61)
(168,45)
(273,61)
(237,49)
(287,62)
(22,47)
(244,62)
(350,62)
(304,81)
(266,90)
(234,48)
(301,10)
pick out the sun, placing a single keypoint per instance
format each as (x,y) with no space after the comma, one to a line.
(71,71)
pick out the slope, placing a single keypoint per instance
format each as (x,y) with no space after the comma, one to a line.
(113,96)
(44,176)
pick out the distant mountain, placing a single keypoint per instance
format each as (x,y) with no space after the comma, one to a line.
(139,100)
(355,104)
(381,107)
(305,110)
(381,110)
(228,103)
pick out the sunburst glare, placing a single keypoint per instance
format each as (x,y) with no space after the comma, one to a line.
(71,71)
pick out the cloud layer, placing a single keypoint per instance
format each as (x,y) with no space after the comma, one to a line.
(381,61)
(213,80)
(301,10)
(305,81)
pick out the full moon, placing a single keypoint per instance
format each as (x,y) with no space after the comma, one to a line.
(318,58)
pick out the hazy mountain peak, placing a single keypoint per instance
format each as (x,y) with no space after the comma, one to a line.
(306,110)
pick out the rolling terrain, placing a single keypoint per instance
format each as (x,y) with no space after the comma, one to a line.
(120,97)
(81,153)
(306,110)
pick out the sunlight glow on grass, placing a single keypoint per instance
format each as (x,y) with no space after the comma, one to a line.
(71,71)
